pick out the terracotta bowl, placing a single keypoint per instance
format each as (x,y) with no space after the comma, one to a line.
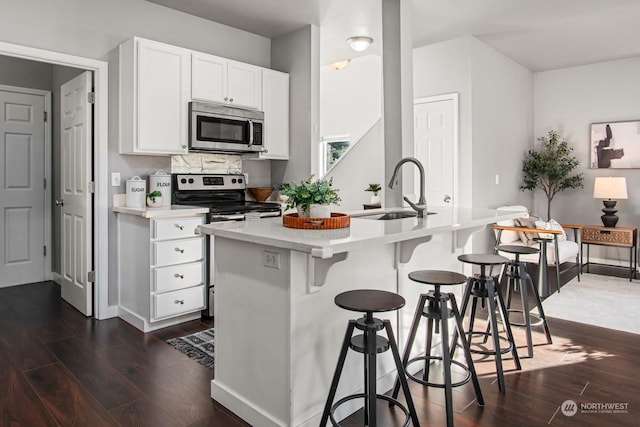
(260,194)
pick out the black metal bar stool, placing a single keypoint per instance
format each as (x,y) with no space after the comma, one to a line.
(369,301)
(517,275)
(484,287)
(438,314)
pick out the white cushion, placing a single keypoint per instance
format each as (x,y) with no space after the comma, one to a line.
(551,225)
(509,236)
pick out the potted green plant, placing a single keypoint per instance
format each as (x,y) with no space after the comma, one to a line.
(311,197)
(154,198)
(375,189)
(551,168)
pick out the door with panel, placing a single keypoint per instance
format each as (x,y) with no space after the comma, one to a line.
(76,193)
(435,121)
(22,188)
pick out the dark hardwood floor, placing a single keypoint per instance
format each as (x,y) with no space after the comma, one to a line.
(58,368)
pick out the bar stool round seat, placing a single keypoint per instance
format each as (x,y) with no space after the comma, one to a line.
(369,343)
(517,275)
(483,259)
(369,301)
(483,287)
(518,249)
(438,307)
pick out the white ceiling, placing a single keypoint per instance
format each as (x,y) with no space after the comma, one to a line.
(539,34)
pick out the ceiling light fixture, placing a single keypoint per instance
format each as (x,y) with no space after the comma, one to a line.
(339,65)
(359,43)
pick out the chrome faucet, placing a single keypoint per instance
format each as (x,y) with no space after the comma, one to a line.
(421,206)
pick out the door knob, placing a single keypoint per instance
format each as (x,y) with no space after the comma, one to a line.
(60,202)
(447,198)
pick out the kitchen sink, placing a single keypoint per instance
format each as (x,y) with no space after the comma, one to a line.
(387,216)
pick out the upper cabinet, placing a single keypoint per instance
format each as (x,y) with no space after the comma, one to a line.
(220,80)
(275,104)
(154,94)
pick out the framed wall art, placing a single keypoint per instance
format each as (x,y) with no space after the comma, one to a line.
(615,145)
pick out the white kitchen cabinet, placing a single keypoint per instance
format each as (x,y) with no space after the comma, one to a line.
(161,270)
(154,92)
(275,104)
(221,80)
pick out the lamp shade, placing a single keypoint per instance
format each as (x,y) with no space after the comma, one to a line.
(610,187)
(359,43)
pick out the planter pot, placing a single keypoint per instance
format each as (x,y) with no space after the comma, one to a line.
(302,213)
(320,211)
(155,202)
(375,200)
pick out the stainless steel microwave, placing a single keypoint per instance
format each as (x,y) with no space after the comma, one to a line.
(225,129)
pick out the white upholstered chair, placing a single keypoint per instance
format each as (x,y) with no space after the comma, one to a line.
(554,244)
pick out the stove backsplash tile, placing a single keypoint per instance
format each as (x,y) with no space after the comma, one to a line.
(206,163)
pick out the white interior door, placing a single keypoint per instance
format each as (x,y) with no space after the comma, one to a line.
(435,121)
(76,193)
(22,189)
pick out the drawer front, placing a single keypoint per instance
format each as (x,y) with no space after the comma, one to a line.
(178,276)
(177,251)
(612,237)
(175,227)
(180,302)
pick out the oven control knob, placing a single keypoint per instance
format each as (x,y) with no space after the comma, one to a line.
(190,180)
(183,181)
(239,180)
(233,181)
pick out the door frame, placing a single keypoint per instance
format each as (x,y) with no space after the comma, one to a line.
(454,97)
(48,230)
(100,71)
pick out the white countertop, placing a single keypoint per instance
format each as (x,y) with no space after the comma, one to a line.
(174,211)
(326,243)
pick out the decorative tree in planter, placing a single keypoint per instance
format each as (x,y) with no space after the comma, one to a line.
(551,168)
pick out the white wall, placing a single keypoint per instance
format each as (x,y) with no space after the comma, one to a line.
(496,120)
(92,28)
(569,100)
(362,165)
(298,54)
(351,98)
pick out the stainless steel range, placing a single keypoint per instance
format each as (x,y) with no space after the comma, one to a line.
(224,195)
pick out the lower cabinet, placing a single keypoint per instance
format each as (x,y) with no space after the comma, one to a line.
(161,270)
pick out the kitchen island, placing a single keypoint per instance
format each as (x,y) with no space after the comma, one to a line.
(278,331)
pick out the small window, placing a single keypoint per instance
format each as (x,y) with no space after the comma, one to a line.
(331,149)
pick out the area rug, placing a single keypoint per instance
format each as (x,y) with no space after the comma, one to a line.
(598,300)
(198,346)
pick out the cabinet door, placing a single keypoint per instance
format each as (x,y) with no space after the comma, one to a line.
(244,85)
(163,92)
(275,104)
(208,78)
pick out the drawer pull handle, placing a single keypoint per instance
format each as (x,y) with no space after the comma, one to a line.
(180,250)
(179,301)
(180,276)
(181,227)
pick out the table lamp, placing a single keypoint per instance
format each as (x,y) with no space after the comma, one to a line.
(610,188)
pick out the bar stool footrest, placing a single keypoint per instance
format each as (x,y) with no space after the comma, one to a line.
(539,321)
(438,385)
(391,400)
(503,350)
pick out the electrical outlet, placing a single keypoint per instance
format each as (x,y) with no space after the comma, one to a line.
(271,259)
(115,179)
